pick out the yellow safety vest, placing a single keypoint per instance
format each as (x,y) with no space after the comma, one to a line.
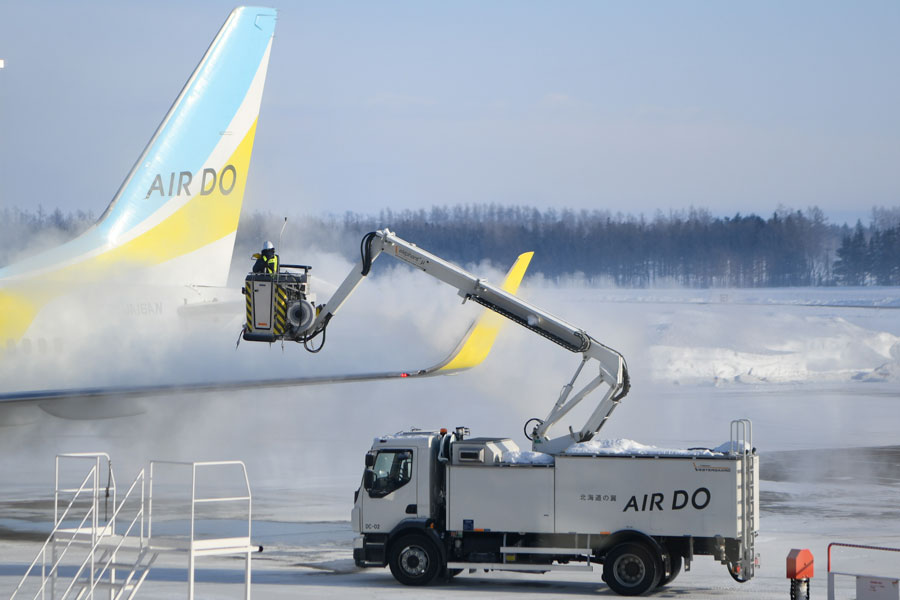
(272,264)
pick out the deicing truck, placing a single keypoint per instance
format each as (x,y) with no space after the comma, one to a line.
(434,503)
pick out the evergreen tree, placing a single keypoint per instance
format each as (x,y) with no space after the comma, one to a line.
(851,267)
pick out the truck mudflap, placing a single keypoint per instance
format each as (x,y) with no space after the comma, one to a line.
(662,552)
(369,550)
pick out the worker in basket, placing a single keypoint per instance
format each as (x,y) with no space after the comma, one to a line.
(266,260)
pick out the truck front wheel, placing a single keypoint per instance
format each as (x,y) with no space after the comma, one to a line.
(630,569)
(414,560)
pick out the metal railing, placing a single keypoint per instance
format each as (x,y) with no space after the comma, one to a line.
(96,457)
(209,546)
(53,540)
(832,574)
(55,560)
(112,551)
(100,564)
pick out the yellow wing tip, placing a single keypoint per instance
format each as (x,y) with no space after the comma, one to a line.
(477,344)
(517,272)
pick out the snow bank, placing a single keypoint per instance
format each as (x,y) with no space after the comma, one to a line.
(772,346)
(834,297)
(751,336)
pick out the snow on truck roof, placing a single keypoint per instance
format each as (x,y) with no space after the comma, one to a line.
(630,447)
(617,447)
(404,436)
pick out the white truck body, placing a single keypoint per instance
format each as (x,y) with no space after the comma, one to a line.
(659,495)
(487,505)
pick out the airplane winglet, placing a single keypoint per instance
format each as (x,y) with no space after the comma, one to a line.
(479,339)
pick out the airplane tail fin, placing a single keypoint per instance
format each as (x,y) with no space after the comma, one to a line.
(479,339)
(177,211)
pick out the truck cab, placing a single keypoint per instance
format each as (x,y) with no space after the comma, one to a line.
(400,490)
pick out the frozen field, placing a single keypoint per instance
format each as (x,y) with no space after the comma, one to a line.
(818,372)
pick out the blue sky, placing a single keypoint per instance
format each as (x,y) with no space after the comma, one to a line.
(624,106)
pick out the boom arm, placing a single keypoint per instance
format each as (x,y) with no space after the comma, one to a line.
(611,365)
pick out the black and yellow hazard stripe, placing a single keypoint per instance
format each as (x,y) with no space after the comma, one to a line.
(280,310)
(248,291)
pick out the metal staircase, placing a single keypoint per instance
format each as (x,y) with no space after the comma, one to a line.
(113,554)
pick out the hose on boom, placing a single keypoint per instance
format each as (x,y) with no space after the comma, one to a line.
(365,252)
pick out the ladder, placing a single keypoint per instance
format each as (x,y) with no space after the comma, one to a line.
(93,543)
(742,443)
(113,554)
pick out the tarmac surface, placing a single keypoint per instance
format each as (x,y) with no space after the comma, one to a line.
(809,498)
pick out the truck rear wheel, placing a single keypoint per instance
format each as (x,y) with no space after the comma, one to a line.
(414,560)
(631,569)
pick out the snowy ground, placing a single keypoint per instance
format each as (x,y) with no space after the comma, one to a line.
(816,370)
(313,559)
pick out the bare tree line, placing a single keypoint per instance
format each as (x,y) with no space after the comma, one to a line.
(690,248)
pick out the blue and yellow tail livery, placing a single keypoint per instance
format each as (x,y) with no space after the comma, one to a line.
(174,219)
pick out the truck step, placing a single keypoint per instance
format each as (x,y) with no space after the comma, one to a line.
(517,567)
(527,550)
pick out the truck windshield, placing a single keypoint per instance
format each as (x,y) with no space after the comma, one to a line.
(393,470)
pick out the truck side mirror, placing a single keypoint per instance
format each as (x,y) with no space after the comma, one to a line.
(368,479)
(370,460)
